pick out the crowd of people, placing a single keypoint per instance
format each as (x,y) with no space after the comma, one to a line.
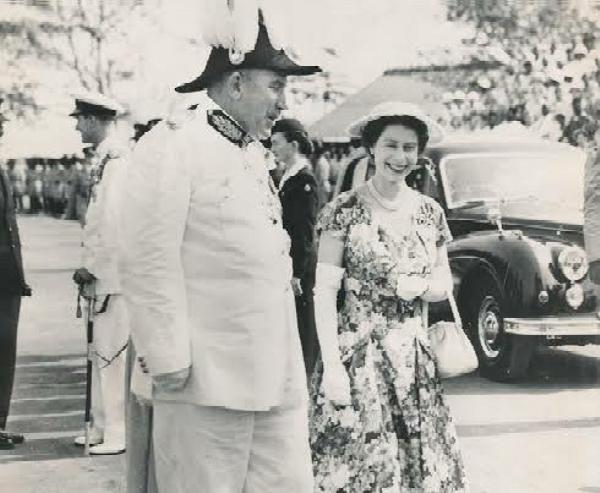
(547,74)
(541,70)
(51,186)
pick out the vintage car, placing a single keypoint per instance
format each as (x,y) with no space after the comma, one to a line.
(514,207)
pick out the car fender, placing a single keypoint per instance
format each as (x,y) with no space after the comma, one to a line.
(519,267)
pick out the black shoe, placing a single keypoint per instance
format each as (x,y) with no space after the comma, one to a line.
(6,443)
(15,438)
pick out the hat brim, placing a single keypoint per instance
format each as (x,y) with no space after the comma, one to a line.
(435,131)
(207,78)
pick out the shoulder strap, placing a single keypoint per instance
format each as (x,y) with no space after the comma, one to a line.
(454,308)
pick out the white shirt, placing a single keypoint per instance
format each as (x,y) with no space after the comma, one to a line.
(294,169)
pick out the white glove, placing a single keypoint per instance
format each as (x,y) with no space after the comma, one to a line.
(336,384)
(410,287)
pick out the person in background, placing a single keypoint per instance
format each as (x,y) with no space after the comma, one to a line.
(17,183)
(140,463)
(12,288)
(299,202)
(35,188)
(322,172)
(99,276)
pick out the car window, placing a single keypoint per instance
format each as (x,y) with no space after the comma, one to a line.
(540,186)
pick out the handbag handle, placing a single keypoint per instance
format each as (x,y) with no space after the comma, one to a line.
(454,308)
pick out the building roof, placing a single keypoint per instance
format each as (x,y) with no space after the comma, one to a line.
(333,126)
(401,84)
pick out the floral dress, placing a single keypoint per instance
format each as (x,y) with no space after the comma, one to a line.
(397,435)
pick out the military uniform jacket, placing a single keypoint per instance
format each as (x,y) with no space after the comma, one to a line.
(101,245)
(299,201)
(12,279)
(591,222)
(207,266)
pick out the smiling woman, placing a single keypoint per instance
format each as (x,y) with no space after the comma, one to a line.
(377,400)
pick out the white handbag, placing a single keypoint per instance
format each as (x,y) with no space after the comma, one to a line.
(451,347)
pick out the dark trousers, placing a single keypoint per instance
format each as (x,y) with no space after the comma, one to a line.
(9,319)
(305,314)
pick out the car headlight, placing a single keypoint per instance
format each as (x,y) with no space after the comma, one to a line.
(575,296)
(573,263)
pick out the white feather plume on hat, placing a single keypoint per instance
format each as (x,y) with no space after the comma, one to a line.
(233,24)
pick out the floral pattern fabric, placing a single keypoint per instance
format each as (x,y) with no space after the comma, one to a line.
(397,435)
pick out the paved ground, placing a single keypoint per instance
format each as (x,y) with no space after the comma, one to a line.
(541,435)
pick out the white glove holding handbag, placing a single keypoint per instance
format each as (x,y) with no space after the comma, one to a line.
(410,287)
(336,383)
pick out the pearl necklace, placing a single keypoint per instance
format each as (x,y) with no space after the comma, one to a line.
(391,204)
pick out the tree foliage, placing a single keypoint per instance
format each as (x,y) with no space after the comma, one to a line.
(77,43)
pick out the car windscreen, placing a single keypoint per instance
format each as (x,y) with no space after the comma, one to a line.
(529,186)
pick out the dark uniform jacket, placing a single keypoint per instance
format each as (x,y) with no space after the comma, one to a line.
(299,202)
(12,279)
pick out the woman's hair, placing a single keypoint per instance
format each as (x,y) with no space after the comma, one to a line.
(374,129)
(293,131)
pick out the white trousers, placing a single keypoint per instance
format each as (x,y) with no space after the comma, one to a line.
(218,450)
(108,374)
(140,457)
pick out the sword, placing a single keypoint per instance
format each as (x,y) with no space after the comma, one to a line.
(89,322)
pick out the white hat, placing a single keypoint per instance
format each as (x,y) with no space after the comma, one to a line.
(458,95)
(96,103)
(398,108)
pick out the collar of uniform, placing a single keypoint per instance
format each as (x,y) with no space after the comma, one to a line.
(111,148)
(299,165)
(228,127)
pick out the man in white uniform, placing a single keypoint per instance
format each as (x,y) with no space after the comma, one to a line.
(99,274)
(208,284)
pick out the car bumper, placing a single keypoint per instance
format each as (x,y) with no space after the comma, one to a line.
(588,325)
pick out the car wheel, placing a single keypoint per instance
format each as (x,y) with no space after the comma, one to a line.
(502,356)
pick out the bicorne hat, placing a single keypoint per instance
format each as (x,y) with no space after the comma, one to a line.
(263,56)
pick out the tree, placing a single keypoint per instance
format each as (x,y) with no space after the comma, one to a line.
(77,39)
